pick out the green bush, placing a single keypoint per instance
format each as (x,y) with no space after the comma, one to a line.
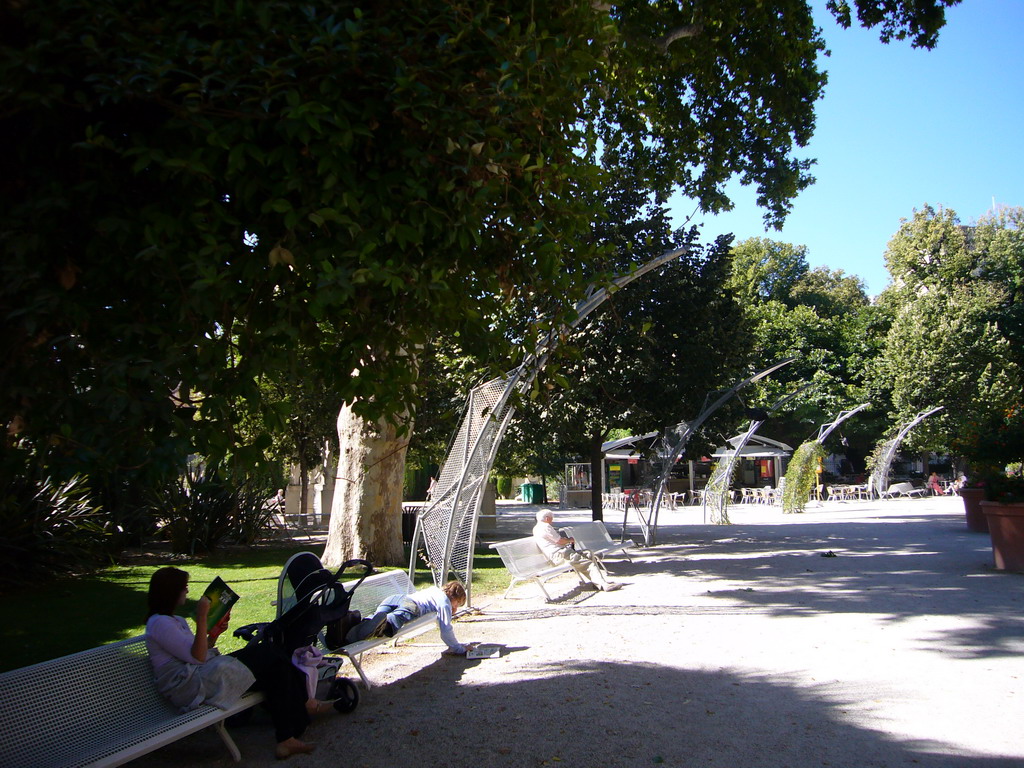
(252,516)
(47,526)
(504,485)
(801,476)
(205,506)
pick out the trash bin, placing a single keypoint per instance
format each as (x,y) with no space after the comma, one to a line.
(533,493)
(409,523)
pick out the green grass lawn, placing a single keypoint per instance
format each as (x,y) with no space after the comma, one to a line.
(72,614)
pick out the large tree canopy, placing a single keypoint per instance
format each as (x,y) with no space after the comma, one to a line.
(950,341)
(189,192)
(818,316)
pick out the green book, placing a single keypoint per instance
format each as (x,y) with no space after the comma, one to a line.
(222,597)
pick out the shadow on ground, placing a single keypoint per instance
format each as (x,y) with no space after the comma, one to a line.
(580,713)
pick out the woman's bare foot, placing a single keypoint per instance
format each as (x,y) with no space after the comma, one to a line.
(292,746)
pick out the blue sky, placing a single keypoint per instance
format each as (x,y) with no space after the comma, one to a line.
(899,128)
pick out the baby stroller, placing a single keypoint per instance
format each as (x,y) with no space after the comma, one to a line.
(312,604)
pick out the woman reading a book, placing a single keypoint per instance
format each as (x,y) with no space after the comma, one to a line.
(189,671)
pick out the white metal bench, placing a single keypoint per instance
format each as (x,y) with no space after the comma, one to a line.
(99,707)
(526,562)
(365,599)
(903,489)
(593,537)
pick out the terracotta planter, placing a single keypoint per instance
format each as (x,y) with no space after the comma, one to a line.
(1006,525)
(976,520)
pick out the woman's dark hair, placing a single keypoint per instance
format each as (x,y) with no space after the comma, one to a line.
(165,587)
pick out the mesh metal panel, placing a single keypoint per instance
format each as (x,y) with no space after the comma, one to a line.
(716,497)
(716,493)
(448,525)
(376,588)
(79,709)
(880,475)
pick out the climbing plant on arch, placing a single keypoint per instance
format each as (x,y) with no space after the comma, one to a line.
(716,496)
(800,475)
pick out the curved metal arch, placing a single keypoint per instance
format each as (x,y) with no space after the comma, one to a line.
(447,526)
(880,475)
(826,429)
(716,492)
(678,442)
(720,499)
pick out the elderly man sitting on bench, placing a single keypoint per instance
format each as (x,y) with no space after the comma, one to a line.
(558,549)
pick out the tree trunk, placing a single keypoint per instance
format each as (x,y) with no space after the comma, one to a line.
(366,514)
(596,476)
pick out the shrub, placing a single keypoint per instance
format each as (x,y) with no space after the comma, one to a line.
(1004,488)
(206,505)
(47,526)
(504,486)
(252,514)
(801,476)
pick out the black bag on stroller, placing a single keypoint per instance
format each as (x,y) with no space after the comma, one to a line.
(312,601)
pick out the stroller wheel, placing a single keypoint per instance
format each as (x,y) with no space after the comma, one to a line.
(345,695)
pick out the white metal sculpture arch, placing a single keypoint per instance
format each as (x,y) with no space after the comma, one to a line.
(447,526)
(716,497)
(676,441)
(880,475)
(823,432)
(826,429)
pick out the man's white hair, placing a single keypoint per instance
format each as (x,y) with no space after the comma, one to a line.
(542,513)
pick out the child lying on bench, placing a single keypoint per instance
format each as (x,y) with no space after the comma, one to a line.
(397,610)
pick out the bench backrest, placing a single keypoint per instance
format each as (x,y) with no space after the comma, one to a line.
(375,588)
(522,557)
(71,710)
(591,535)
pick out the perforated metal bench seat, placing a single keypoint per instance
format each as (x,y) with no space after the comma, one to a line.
(525,562)
(96,708)
(903,489)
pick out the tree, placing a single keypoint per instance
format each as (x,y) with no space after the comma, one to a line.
(817,316)
(259,176)
(620,122)
(766,269)
(258,119)
(830,293)
(945,345)
(998,238)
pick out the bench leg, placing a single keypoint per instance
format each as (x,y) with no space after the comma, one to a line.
(359,670)
(222,731)
(511,584)
(547,597)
